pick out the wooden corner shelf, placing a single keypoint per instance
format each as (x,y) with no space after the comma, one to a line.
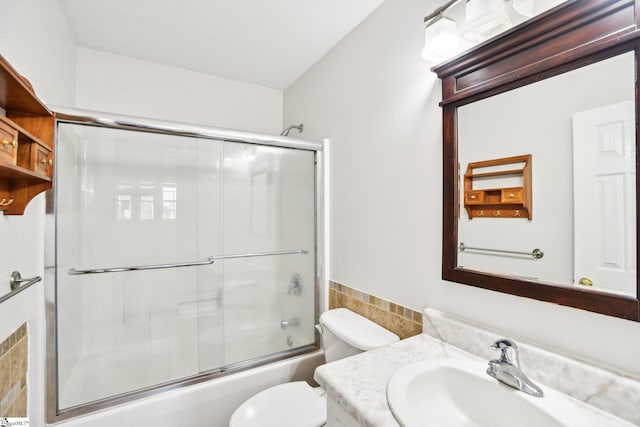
(499,201)
(26,142)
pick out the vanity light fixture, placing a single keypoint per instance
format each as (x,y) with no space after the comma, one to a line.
(441,39)
(473,22)
(484,19)
(531,8)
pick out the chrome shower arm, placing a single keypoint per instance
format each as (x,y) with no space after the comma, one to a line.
(286,131)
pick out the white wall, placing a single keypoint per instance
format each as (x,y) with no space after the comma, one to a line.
(377,101)
(124,85)
(35,40)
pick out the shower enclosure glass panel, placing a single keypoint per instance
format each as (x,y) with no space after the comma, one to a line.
(129,199)
(269,205)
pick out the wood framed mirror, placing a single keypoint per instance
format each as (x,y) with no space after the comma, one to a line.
(492,109)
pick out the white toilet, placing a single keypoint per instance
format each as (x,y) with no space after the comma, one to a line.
(297,404)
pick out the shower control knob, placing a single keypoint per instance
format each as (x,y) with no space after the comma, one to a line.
(295,285)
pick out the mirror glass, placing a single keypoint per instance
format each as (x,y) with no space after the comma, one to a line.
(579,130)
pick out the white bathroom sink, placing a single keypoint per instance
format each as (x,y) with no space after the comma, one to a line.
(459,393)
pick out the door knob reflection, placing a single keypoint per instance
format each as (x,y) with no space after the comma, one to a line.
(585,281)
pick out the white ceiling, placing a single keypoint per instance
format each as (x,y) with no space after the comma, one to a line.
(266,42)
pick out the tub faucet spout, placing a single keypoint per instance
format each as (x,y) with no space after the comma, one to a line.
(506,369)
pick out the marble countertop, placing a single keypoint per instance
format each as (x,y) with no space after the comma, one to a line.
(358,383)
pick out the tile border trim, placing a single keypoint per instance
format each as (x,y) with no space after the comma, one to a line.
(403,321)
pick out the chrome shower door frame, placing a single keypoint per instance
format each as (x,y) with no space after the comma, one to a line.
(107,120)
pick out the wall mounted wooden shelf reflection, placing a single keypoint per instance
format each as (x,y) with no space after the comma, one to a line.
(498,201)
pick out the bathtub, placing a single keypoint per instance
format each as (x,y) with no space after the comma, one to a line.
(201,340)
(207,404)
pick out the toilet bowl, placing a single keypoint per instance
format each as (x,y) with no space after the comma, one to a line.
(297,404)
(294,404)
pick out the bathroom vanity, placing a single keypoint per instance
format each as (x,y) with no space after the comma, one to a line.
(357,386)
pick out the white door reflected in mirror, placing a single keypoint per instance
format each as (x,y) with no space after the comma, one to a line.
(604,186)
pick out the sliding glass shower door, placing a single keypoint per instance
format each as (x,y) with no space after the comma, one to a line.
(175,256)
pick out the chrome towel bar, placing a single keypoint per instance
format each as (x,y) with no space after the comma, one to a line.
(208,261)
(257,254)
(74,272)
(18,284)
(535,254)
(16,281)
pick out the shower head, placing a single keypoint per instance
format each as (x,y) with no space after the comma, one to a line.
(286,131)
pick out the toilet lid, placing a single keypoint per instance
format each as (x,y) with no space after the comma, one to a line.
(293,404)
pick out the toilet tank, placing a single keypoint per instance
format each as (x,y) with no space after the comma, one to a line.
(345,333)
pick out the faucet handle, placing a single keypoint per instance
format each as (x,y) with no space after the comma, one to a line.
(504,345)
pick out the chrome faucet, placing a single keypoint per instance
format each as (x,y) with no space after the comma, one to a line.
(507,370)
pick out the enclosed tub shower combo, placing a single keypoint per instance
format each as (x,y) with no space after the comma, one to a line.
(179,254)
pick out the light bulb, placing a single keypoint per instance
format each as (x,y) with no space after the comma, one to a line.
(441,40)
(531,8)
(484,19)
